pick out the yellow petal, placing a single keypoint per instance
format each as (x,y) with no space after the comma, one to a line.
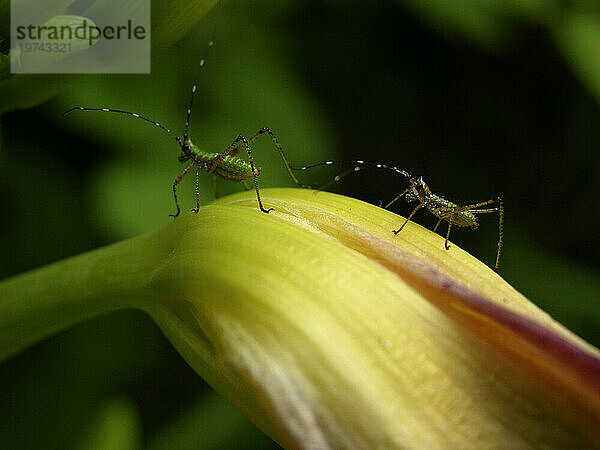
(329,331)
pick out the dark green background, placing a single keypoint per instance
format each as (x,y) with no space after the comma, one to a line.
(484,98)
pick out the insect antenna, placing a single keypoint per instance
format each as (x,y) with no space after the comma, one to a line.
(200,66)
(357,166)
(136,115)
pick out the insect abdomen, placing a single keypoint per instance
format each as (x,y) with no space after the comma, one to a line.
(230,167)
(463,219)
(446,210)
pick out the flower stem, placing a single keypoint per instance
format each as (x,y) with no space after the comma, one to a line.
(36,304)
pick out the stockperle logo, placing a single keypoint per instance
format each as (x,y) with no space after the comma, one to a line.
(102,37)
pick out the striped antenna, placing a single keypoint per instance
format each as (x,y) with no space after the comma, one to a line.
(201,65)
(136,115)
(357,166)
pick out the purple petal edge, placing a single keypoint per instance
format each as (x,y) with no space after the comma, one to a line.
(573,361)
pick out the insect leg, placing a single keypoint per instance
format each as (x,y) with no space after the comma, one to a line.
(255,176)
(447,236)
(175,183)
(398,197)
(197,190)
(500,211)
(419,206)
(483,211)
(233,149)
(437,224)
(474,205)
(258,134)
(279,149)
(500,230)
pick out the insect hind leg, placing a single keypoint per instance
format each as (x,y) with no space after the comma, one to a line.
(500,210)
(258,134)
(472,207)
(232,150)
(279,149)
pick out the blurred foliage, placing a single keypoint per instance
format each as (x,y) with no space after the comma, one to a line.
(116,427)
(489,23)
(170,21)
(578,36)
(481,98)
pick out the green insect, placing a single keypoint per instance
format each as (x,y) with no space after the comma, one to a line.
(444,210)
(226,164)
